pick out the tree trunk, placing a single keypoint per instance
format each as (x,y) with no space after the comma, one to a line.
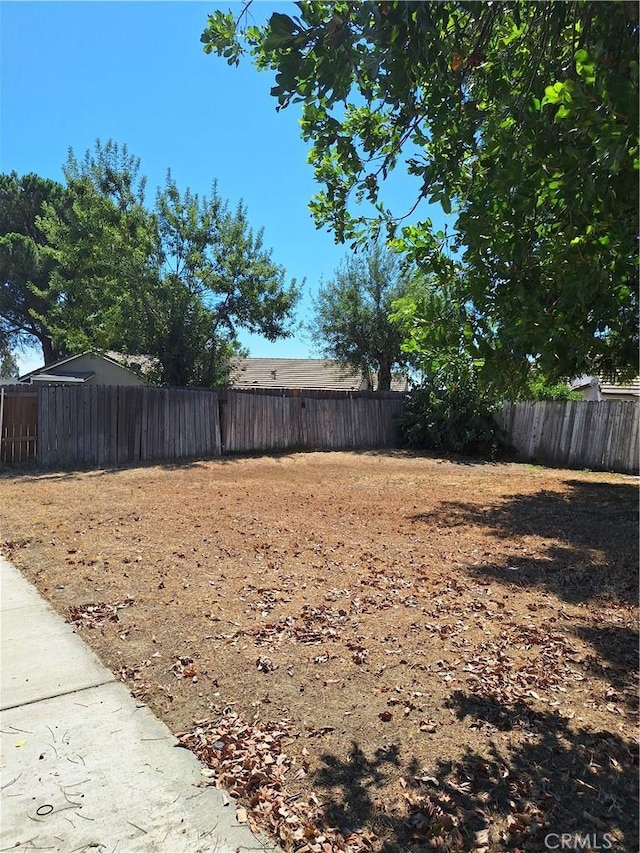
(49,353)
(210,376)
(384,375)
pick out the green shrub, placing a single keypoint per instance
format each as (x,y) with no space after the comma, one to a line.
(451,412)
(540,389)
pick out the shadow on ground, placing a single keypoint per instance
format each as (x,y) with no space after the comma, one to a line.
(594,529)
(555,777)
(26,473)
(615,660)
(551,779)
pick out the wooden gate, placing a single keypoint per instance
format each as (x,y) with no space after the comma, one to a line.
(18,423)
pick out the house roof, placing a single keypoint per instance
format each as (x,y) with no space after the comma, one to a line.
(611,389)
(293,373)
(630,389)
(583,382)
(66,378)
(44,373)
(140,364)
(316,373)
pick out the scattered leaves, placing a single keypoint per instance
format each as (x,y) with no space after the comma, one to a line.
(91,615)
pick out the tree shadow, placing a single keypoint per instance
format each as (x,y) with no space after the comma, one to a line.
(540,774)
(33,474)
(351,786)
(616,660)
(550,778)
(594,529)
(565,778)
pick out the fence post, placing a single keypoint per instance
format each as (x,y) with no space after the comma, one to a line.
(1,417)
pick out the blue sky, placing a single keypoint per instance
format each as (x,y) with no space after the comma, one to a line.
(135,72)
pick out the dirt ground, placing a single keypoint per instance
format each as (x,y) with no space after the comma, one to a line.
(370,651)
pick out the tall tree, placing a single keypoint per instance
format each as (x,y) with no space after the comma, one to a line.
(435,326)
(105,251)
(89,266)
(519,118)
(26,298)
(351,322)
(8,363)
(216,278)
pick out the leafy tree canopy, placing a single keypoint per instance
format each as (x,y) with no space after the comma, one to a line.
(25,266)
(216,277)
(104,252)
(88,265)
(519,118)
(351,322)
(437,327)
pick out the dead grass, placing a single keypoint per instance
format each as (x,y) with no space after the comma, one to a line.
(380,651)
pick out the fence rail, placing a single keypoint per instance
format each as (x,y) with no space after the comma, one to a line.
(602,436)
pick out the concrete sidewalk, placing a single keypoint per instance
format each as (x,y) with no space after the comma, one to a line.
(84,766)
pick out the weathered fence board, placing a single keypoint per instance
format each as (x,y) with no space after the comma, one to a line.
(95,426)
(602,436)
(302,420)
(19,424)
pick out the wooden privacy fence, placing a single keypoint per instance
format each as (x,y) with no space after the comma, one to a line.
(602,436)
(308,420)
(98,425)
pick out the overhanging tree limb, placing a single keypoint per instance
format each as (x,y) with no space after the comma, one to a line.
(529,136)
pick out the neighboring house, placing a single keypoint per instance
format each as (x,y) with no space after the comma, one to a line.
(88,368)
(593,388)
(311,373)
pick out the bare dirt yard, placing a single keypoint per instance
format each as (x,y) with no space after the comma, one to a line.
(369,651)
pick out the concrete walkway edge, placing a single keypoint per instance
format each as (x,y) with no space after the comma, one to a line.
(84,767)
